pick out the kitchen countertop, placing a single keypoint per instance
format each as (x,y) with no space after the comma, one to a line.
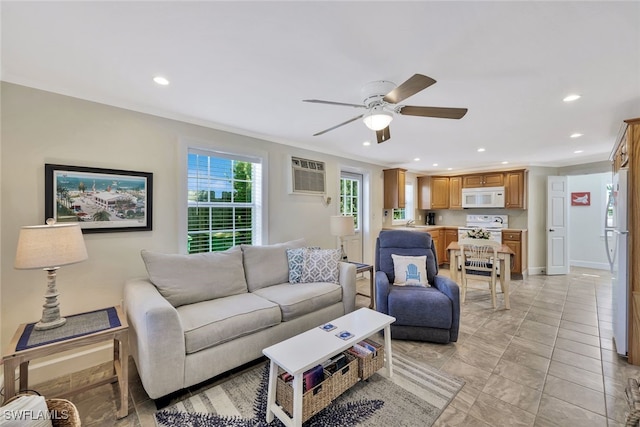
(436,227)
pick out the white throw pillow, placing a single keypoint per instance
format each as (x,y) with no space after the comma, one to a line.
(410,270)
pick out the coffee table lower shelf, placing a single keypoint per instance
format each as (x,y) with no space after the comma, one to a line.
(300,353)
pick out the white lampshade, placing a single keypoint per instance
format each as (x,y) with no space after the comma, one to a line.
(46,246)
(342,225)
(377,118)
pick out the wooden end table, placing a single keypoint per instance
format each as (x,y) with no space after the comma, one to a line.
(21,351)
(363,268)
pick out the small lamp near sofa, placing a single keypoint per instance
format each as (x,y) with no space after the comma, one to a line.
(49,247)
(341,226)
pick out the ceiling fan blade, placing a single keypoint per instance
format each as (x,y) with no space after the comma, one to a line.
(383,135)
(344,104)
(413,85)
(440,112)
(337,126)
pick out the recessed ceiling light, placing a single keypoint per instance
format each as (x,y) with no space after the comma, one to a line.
(435,164)
(449,169)
(505,163)
(575,135)
(572,97)
(480,150)
(366,143)
(578,151)
(162,81)
(417,159)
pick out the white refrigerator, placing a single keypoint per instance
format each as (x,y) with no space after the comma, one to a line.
(616,237)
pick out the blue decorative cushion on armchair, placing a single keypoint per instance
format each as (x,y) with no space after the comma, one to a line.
(422,313)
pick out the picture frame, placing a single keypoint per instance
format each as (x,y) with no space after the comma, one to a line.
(100,200)
(582,198)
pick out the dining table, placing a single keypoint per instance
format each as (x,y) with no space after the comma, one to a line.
(504,257)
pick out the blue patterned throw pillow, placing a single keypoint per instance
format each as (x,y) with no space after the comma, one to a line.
(320,265)
(295,258)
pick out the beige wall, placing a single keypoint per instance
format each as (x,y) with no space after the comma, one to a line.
(41,127)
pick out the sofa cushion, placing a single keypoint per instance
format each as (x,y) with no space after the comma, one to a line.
(301,298)
(320,265)
(187,279)
(213,322)
(410,270)
(267,265)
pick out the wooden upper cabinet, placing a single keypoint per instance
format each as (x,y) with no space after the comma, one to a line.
(515,188)
(455,192)
(394,182)
(493,179)
(439,192)
(433,192)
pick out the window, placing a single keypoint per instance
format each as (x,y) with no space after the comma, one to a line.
(401,216)
(223,202)
(350,197)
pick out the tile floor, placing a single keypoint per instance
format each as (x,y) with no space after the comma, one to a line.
(549,361)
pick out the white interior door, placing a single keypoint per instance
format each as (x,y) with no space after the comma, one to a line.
(557,217)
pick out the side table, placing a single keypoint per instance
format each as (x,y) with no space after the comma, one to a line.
(362,268)
(79,331)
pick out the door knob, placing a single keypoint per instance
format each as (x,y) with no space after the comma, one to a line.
(551,229)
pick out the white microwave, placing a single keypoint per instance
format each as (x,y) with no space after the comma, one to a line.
(483,197)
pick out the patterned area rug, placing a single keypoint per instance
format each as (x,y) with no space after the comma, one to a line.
(415,396)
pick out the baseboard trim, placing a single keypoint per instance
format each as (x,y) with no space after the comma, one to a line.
(537,271)
(590,264)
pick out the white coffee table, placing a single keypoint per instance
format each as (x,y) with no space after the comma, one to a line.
(308,349)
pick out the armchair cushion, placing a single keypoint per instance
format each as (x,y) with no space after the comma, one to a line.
(414,305)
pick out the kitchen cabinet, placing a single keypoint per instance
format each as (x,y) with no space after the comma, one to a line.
(455,192)
(492,179)
(450,235)
(433,192)
(516,240)
(394,182)
(440,192)
(515,186)
(438,241)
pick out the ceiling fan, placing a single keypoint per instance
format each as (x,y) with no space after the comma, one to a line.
(381,100)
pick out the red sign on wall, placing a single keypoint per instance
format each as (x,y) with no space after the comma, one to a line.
(581,199)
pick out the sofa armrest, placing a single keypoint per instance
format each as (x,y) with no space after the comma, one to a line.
(156,338)
(382,292)
(347,279)
(450,289)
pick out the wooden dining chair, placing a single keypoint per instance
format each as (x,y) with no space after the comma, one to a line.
(479,258)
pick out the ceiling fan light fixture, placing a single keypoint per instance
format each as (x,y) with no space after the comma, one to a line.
(377,118)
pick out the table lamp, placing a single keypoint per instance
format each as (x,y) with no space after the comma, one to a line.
(342,225)
(48,247)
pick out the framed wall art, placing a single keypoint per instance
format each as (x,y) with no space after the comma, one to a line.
(100,200)
(581,199)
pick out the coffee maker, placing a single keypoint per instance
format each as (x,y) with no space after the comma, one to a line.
(431,218)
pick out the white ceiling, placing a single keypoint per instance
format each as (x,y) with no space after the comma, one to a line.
(246,66)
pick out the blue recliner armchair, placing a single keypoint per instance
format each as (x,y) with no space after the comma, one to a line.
(422,313)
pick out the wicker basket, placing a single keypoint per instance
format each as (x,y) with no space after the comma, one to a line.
(346,377)
(370,364)
(64,413)
(632,392)
(313,401)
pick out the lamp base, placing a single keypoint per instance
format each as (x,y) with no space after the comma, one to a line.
(51,309)
(43,326)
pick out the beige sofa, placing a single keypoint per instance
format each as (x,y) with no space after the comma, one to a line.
(197,316)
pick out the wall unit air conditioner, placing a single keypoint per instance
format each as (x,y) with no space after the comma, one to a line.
(307,176)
